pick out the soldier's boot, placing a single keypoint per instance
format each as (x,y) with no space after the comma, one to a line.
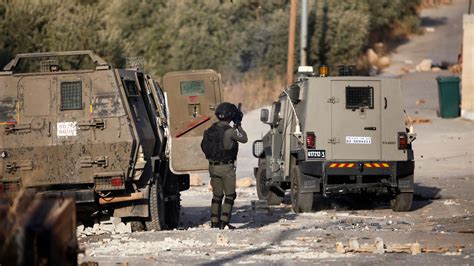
(216,206)
(227,211)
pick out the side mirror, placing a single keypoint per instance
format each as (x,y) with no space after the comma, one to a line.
(264,114)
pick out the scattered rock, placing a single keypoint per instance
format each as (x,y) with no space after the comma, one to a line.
(372,57)
(415,249)
(424,66)
(436,69)
(450,202)
(430,29)
(115,220)
(340,247)
(380,48)
(379,246)
(417,120)
(354,243)
(245,182)
(420,101)
(221,240)
(384,62)
(457,68)
(122,228)
(195,180)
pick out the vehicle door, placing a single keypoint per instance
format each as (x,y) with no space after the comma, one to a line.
(355,116)
(192,100)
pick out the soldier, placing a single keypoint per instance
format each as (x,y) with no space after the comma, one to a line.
(220,144)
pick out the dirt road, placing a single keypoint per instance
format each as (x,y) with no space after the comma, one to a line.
(442,219)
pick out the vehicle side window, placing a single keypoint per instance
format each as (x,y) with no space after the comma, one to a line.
(192,87)
(71,95)
(359,97)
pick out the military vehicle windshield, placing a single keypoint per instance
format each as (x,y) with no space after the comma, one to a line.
(54,64)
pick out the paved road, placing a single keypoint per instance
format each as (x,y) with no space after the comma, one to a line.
(442,45)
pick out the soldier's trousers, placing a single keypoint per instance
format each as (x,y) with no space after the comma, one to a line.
(223,187)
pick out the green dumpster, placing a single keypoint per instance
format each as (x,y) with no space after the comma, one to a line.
(449,96)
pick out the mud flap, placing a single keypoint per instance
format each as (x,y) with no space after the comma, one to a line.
(310,184)
(137,208)
(405,184)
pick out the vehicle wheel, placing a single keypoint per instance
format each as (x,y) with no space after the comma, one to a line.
(300,202)
(402,202)
(273,195)
(173,210)
(156,207)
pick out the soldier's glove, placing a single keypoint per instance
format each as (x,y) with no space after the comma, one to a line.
(238,118)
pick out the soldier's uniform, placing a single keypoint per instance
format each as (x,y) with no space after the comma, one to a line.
(222,174)
(220,144)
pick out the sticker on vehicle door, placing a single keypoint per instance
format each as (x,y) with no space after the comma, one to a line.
(358,140)
(66,129)
(316,154)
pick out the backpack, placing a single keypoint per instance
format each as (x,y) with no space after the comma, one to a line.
(212,144)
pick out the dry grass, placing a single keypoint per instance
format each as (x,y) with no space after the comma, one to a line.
(254,91)
(433,3)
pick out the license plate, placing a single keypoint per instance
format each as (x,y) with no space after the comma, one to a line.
(318,154)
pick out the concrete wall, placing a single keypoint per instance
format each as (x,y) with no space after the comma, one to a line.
(467,104)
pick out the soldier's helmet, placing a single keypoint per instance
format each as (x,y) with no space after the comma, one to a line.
(226,111)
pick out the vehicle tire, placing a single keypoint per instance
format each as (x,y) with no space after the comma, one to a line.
(300,202)
(173,210)
(273,195)
(156,207)
(402,202)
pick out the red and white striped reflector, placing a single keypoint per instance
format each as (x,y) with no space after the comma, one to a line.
(351,165)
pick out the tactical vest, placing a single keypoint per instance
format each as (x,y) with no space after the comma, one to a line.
(213,144)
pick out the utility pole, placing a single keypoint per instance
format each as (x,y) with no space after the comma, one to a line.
(291,42)
(304,33)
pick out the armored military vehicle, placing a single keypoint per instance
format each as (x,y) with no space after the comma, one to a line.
(333,135)
(74,125)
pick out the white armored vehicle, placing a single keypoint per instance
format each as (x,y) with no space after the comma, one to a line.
(331,135)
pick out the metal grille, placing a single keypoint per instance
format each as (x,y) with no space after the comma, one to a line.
(257,148)
(71,95)
(45,66)
(359,97)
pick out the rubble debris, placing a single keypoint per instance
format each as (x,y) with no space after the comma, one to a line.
(196,180)
(418,120)
(245,182)
(430,29)
(450,202)
(372,57)
(113,226)
(420,101)
(221,240)
(354,243)
(384,62)
(457,68)
(379,248)
(424,65)
(340,247)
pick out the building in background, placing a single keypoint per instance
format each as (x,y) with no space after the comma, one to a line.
(467,104)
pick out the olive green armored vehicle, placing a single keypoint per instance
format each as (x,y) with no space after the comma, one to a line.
(336,135)
(71,124)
